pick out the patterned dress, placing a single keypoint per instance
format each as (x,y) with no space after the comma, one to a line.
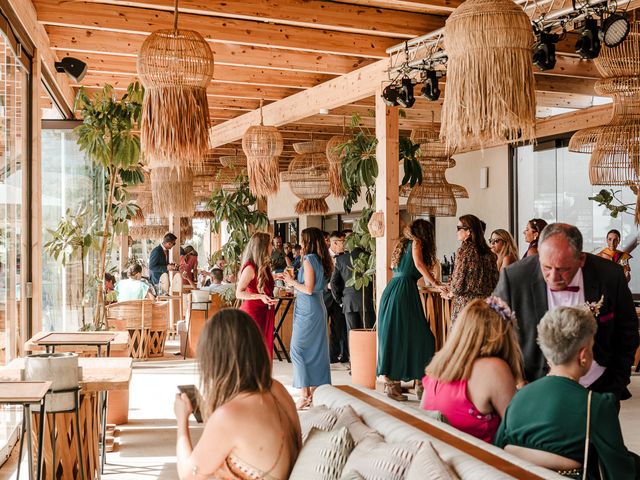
(474,276)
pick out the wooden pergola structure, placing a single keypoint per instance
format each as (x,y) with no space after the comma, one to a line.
(299,56)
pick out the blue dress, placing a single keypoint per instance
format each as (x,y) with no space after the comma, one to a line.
(309,342)
(405,341)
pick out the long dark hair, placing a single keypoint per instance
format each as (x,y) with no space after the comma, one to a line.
(233,359)
(476,233)
(313,240)
(422,231)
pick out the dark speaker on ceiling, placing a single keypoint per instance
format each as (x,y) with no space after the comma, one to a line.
(76,69)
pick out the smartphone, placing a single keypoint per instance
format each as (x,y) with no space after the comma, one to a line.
(192,392)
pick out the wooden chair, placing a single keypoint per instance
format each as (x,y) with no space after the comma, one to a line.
(134,316)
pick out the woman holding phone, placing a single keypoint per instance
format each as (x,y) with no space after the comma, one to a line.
(255,286)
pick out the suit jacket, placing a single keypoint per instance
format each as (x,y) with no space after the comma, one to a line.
(523,287)
(157,264)
(349,297)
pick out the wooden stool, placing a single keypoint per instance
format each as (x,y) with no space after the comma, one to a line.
(134,316)
(159,327)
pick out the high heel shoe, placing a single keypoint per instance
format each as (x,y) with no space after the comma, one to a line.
(304,403)
(393,390)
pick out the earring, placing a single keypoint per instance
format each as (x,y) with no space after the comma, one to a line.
(582,362)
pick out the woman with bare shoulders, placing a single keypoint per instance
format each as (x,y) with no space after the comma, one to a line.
(251,426)
(504,246)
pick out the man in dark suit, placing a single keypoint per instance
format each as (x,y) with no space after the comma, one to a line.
(338,346)
(562,275)
(349,298)
(159,258)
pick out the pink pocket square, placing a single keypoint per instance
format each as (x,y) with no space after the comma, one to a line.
(605,318)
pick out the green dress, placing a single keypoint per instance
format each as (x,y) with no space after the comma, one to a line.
(405,342)
(550,414)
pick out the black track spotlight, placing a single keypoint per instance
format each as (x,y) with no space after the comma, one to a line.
(544,51)
(405,96)
(615,29)
(588,44)
(390,95)
(76,69)
(430,90)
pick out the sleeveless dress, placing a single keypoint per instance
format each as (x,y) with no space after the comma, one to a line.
(450,399)
(263,314)
(405,341)
(309,342)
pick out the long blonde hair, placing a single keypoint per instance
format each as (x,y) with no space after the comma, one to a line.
(233,359)
(479,332)
(257,253)
(509,245)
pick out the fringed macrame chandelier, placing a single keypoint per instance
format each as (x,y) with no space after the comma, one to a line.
(434,196)
(308,177)
(263,145)
(186,229)
(490,86)
(335,154)
(172,190)
(175,66)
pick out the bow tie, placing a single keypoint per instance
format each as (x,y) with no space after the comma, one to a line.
(567,289)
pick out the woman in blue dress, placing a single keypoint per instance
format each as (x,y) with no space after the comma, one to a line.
(405,342)
(309,342)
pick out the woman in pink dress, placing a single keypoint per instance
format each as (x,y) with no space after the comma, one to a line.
(472,379)
(255,286)
(189,266)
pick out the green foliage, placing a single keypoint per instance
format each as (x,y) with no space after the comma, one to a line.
(238,209)
(609,199)
(364,267)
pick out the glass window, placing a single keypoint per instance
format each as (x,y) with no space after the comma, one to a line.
(553,184)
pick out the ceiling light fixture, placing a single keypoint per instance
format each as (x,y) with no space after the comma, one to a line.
(544,51)
(74,68)
(588,44)
(615,29)
(430,90)
(405,94)
(390,95)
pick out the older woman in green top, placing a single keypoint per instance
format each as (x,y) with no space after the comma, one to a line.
(132,287)
(546,421)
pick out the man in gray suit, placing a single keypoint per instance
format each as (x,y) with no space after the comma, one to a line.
(563,275)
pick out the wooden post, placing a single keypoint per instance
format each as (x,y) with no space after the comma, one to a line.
(387,199)
(174,227)
(124,252)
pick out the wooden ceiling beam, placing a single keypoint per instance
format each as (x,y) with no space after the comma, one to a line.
(570,122)
(243,32)
(73,41)
(315,14)
(419,6)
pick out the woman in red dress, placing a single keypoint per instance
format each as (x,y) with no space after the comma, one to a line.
(255,286)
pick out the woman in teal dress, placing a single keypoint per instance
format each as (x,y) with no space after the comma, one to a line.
(309,342)
(405,342)
(546,421)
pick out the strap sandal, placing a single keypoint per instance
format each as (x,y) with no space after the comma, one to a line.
(419,389)
(304,403)
(393,390)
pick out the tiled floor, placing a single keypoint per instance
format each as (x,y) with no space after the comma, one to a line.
(146,445)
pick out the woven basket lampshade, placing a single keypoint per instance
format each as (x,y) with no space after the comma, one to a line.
(263,145)
(203,214)
(175,66)
(490,85)
(308,177)
(334,156)
(434,196)
(459,191)
(233,161)
(615,147)
(172,190)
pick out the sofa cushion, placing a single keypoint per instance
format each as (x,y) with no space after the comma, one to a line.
(428,464)
(323,456)
(357,428)
(376,459)
(320,417)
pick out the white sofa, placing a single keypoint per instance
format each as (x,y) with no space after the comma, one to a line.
(393,429)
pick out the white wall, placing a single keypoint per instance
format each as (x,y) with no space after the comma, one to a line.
(490,204)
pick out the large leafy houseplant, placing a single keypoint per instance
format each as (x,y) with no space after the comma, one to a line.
(238,209)
(109,136)
(72,240)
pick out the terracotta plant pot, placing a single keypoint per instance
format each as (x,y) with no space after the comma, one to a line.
(362,350)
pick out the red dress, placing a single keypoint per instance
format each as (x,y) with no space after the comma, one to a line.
(263,314)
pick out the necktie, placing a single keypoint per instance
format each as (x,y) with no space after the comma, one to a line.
(568,289)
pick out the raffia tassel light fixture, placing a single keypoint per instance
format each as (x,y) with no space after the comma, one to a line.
(262,144)
(490,85)
(175,66)
(335,155)
(308,177)
(172,190)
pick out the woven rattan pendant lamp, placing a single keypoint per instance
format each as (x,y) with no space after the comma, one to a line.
(308,177)
(172,191)
(490,87)
(175,66)
(335,155)
(434,196)
(262,145)
(615,147)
